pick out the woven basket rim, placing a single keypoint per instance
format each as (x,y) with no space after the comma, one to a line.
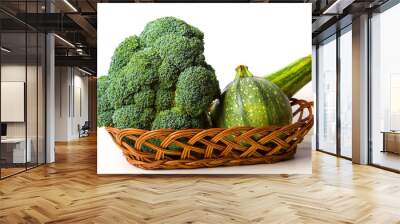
(213,147)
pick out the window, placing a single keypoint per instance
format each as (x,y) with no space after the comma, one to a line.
(385,89)
(346,92)
(327,96)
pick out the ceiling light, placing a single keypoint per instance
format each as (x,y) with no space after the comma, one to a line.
(65,41)
(5,50)
(84,71)
(70,5)
(338,6)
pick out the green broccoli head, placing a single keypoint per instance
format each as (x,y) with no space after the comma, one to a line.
(131,116)
(123,53)
(161,69)
(168,25)
(179,51)
(145,98)
(164,99)
(173,118)
(104,118)
(197,87)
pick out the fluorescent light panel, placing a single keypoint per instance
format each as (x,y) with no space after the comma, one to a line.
(64,40)
(70,5)
(84,71)
(5,50)
(338,6)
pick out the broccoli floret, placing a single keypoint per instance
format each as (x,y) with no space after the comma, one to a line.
(121,90)
(197,87)
(143,67)
(168,75)
(179,51)
(173,118)
(142,70)
(168,25)
(123,53)
(102,100)
(104,118)
(131,116)
(145,98)
(164,99)
(104,108)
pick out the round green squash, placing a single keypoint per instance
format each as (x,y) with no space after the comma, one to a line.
(250,101)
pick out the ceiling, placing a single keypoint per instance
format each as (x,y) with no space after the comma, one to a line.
(75,22)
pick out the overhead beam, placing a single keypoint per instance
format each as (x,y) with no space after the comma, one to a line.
(84,24)
(78,61)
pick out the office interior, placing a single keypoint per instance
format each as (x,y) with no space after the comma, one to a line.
(48,106)
(46,92)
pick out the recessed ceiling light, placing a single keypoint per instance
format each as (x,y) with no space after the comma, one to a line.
(84,71)
(70,5)
(64,40)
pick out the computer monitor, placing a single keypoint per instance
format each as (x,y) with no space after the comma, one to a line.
(3,130)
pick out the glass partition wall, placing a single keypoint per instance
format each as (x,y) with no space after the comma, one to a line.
(22,77)
(385,89)
(327,95)
(334,93)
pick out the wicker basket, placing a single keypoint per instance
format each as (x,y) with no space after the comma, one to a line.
(213,147)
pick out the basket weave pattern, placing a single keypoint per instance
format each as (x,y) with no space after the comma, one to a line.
(199,148)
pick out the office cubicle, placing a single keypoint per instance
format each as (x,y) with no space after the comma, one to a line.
(22,95)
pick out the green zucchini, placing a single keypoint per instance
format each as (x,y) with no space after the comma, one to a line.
(292,77)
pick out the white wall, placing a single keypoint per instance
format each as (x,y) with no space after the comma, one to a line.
(70,83)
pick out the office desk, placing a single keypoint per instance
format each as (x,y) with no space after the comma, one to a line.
(391,141)
(15,148)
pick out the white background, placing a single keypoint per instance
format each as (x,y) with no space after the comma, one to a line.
(265,37)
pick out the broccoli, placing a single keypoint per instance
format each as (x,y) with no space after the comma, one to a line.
(104,109)
(168,25)
(131,116)
(104,118)
(145,98)
(197,87)
(123,53)
(168,75)
(150,84)
(179,51)
(173,118)
(164,99)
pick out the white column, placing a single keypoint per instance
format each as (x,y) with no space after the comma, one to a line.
(50,94)
(360,90)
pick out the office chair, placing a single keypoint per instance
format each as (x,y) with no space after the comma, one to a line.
(84,130)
